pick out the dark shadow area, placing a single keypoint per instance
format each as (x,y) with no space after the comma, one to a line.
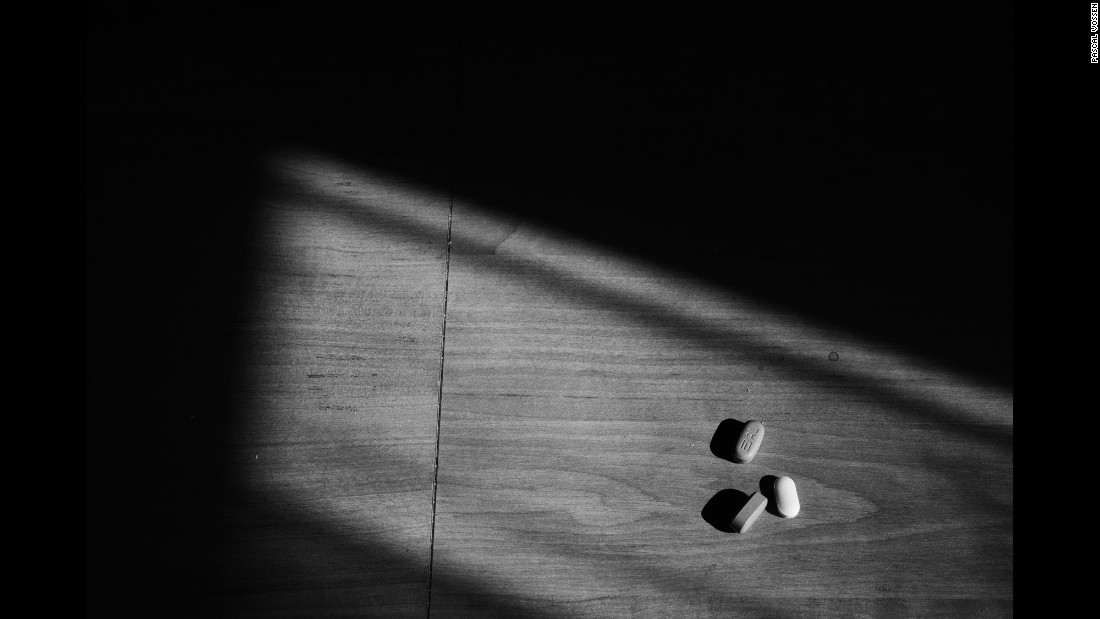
(284,560)
(722,507)
(865,183)
(182,102)
(725,439)
(858,172)
(767,488)
(165,288)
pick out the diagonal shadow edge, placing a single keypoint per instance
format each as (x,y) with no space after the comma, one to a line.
(354,210)
(952,417)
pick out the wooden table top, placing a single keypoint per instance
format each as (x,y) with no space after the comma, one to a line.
(480,348)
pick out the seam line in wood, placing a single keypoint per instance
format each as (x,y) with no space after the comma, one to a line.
(443,332)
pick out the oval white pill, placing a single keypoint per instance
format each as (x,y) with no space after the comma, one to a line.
(786,497)
(748,441)
(750,511)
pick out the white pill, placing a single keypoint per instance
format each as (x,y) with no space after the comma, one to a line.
(749,513)
(786,497)
(748,441)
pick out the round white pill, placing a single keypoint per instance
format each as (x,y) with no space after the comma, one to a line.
(786,497)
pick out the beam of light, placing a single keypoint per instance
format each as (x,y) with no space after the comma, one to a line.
(323,207)
(656,289)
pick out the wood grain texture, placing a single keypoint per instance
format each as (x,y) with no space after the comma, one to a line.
(268,445)
(582,392)
(337,448)
(658,231)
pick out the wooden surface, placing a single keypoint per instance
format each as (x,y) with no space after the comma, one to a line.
(305,487)
(340,429)
(452,327)
(582,397)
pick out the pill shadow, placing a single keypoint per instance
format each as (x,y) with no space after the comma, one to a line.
(767,488)
(722,507)
(724,439)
